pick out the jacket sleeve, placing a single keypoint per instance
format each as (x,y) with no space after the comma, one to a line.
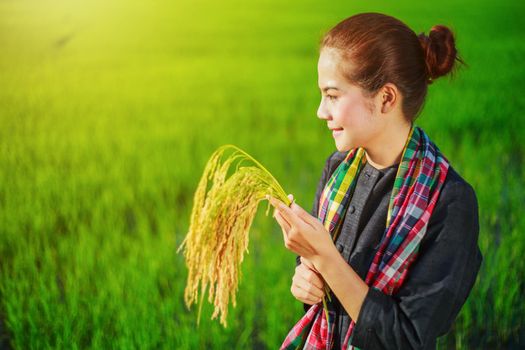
(437,284)
(320,186)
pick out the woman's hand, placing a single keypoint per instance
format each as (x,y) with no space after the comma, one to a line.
(303,234)
(307,283)
(306,236)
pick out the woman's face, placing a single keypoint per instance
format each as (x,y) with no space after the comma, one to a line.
(348,113)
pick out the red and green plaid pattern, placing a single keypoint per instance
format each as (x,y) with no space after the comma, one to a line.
(419,179)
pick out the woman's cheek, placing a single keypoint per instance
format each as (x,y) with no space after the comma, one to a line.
(346,112)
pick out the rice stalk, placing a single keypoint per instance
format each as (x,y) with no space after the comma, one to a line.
(223,211)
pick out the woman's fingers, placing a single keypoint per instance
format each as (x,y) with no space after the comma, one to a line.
(310,289)
(303,296)
(307,285)
(285,211)
(308,263)
(309,276)
(308,281)
(285,225)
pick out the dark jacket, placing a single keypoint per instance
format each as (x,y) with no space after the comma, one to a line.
(439,280)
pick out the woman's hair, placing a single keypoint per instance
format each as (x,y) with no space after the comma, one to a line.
(383,49)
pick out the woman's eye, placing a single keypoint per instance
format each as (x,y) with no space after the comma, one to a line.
(331,97)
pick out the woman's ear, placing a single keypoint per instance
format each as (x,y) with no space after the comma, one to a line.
(389,96)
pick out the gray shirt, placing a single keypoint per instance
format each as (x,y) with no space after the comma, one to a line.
(438,282)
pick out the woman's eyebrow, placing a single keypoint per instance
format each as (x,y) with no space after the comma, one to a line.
(329,88)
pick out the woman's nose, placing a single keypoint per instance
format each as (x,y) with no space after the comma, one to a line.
(322,112)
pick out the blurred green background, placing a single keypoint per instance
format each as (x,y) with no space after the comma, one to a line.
(109,111)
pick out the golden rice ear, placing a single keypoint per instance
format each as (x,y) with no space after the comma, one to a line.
(200,193)
(219,228)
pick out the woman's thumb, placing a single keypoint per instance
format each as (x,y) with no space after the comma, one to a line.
(291,198)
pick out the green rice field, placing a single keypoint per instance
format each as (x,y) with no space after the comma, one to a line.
(109,111)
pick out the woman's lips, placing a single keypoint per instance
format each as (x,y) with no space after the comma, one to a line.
(336,132)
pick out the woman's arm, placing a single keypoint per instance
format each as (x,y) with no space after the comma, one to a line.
(344,282)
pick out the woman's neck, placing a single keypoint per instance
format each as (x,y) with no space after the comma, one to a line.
(387,149)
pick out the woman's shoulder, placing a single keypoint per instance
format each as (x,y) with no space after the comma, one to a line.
(457,189)
(455,215)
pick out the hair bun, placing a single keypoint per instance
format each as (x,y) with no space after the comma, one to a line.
(440,52)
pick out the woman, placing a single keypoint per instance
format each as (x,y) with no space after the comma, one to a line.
(393,232)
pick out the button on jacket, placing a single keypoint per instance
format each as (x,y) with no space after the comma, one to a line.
(438,281)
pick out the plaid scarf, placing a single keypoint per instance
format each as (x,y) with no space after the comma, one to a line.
(419,179)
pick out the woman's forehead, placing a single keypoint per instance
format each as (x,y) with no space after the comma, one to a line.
(329,58)
(330,71)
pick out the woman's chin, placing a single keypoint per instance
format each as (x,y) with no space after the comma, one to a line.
(343,146)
